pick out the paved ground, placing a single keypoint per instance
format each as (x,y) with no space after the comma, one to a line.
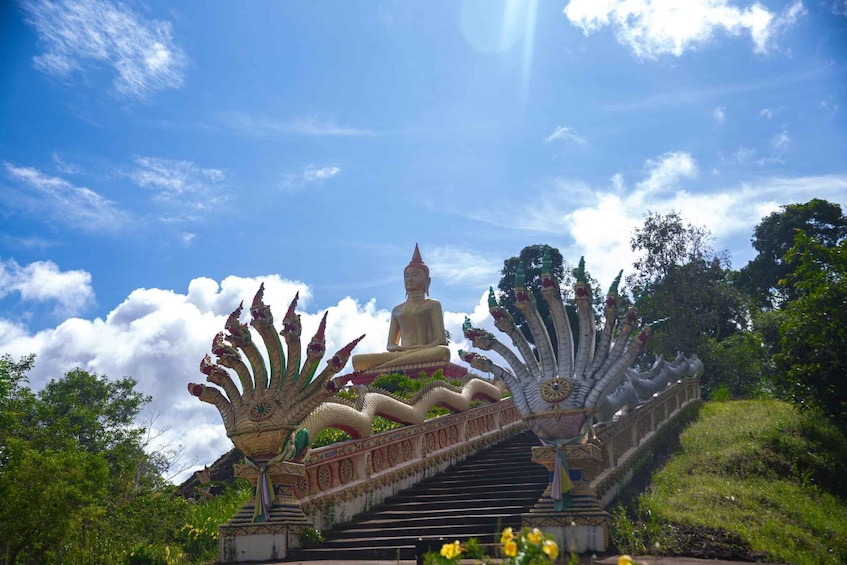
(608,560)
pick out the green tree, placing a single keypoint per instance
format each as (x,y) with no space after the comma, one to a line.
(98,415)
(821,220)
(738,364)
(75,482)
(696,300)
(690,290)
(15,397)
(665,241)
(49,497)
(95,413)
(812,361)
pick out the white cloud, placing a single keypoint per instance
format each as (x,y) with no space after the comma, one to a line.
(173,178)
(601,234)
(781,141)
(665,172)
(181,187)
(618,185)
(769,155)
(75,206)
(64,167)
(766,113)
(43,281)
(660,27)
(461,266)
(743,155)
(597,221)
(565,134)
(310,174)
(601,230)
(245,124)
(719,115)
(76,33)
(829,106)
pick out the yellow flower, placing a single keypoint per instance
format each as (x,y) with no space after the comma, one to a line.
(624,560)
(551,549)
(535,536)
(507,536)
(510,548)
(451,550)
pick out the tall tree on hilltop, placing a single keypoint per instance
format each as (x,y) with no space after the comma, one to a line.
(689,289)
(821,220)
(531,258)
(663,242)
(76,484)
(15,397)
(812,361)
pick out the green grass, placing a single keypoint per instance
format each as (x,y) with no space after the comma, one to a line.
(758,473)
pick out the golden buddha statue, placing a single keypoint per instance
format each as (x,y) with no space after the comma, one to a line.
(416,332)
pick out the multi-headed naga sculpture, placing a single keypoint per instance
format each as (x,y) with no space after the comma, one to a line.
(263,417)
(561,393)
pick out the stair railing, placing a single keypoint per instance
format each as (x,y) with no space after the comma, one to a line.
(347,478)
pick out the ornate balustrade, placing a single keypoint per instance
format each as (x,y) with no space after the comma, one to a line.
(347,478)
(632,437)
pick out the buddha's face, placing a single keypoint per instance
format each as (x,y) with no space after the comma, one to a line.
(415,279)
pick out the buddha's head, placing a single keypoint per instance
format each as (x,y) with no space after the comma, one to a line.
(416,274)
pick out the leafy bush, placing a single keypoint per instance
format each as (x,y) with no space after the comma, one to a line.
(198,537)
(407,387)
(147,554)
(312,538)
(526,547)
(734,365)
(397,383)
(328,436)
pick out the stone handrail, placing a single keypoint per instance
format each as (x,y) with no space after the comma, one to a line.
(632,437)
(347,478)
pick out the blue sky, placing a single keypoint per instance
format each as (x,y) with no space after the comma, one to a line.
(158,160)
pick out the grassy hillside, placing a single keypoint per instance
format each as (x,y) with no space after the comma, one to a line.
(752,480)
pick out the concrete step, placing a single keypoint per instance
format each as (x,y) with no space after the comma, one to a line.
(476,498)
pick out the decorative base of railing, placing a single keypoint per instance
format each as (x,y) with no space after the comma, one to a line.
(259,542)
(583,525)
(582,528)
(272,537)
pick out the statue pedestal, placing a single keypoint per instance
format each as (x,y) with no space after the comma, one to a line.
(244,540)
(450,370)
(583,526)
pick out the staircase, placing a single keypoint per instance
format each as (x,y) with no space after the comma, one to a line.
(475,498)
